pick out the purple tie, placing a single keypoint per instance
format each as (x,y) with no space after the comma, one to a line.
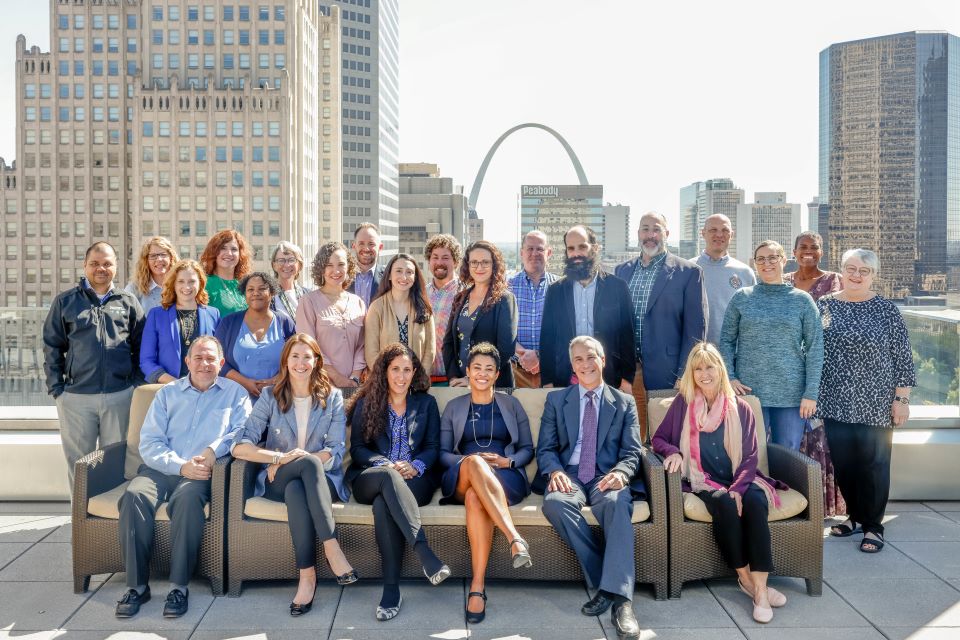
(588,444)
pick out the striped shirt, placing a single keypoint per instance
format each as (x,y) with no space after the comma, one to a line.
(641,284)
(530,306)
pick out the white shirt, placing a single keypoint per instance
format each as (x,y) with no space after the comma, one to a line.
(575,456)
(301,407)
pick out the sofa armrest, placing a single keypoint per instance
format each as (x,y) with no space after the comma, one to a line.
(96,472)
(800,473)
(243,476)
(655,481)
(219,482)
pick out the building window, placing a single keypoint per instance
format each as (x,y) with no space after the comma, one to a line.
(244,37)
(279,12)
(273,154)
(279,36)
(263,36)
(221,154)
(156,36)
(228,36)
(173,36)
(131,21)
(280,60)
(208,38)
(228,12)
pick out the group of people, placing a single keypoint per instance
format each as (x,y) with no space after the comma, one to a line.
(258,364)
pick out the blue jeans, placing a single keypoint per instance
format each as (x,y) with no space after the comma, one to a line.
(784,426)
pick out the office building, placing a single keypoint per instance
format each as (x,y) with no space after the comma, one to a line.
(699,201)
(429,205)
(616,223)
(890,157)
(474,228)
(553,209)
(768,217)
(370,34)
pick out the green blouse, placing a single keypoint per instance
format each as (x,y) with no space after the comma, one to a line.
(225,295)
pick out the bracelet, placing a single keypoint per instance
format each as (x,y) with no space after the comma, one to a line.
(901,399)
(276,458)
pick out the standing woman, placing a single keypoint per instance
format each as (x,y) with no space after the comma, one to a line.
(157,255)
(772,345)
(401,312)
(334,317)
(306,429)
(394,443)
(183,316)
(226,259)
(287,263)
(865,392)
(485,443)
(253,339)
(483,311)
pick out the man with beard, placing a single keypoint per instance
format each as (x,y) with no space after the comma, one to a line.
(586,302)
(669,310)
(529,287)
(367,246)
(443,254)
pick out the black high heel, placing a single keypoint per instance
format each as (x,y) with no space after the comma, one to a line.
(477,617)
(297,610)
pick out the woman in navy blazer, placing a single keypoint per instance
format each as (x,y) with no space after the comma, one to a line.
(182,316)
(306,429)
(394,443)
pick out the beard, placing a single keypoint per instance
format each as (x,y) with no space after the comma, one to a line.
(652,251)
(582,268)
(440,272)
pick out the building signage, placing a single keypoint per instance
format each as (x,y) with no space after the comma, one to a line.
(552,191)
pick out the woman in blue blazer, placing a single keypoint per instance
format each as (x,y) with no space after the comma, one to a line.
(182,316)
(306,429)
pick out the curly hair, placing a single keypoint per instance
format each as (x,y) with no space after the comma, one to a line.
(169,294)
(376,391)
(419,298)
(484,349)
(268,280)
(209,256)
(498,278)
(143,277)
(444,241)
(320,386)
(323,257)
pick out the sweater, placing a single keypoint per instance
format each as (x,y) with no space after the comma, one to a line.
(721,280)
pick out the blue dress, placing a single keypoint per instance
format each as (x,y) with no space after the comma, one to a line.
(259,359)
(491,436)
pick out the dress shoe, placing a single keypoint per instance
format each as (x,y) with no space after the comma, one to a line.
(176,604)
(300,609)
(476,617)
(597,605)
(776,598)
(388,613)
(625,622)
(129,605)
(763,615)
(348,578)
(442,574)
(521,558)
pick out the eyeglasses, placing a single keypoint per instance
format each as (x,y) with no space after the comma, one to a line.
(480,264)
(863,272)
(153,257)
(285,261)
(768,259)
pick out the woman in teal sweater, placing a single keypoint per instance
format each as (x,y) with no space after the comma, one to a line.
(772,343)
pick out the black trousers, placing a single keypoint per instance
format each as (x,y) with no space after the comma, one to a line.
(861,464)
(309,495)
(743,539)
(138,509)
(396,512)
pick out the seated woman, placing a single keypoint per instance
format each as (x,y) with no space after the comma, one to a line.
(485,442)
(253,339)
(306,429)
(709,435)
(394,442)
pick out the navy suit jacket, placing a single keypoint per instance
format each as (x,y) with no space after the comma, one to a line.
(676,319)
(618,436)
(160,346)
(377,279)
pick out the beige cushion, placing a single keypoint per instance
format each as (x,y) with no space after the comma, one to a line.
(104,505)
(443,395)
(142,397)
(792,503)
(657,410)
(532,401)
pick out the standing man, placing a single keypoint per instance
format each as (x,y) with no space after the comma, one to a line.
(588,453)
(723,275)
(587,302)
(669,310)
(367,247)
(529,287)
(443,254)
(190,423)
(91,348)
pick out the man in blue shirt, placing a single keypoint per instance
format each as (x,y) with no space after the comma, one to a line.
(367,246)
(190,423)
(529,287)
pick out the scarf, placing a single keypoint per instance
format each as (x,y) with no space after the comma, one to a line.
(698,419)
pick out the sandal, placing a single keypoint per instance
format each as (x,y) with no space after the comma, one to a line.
(844,530)
(876,543)
(476,617)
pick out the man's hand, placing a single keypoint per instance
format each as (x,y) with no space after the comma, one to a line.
(673,462)
(530,362)
(459,382)
(560,482)
(807,408)
(207,458)
(739,388)
(194,469)
(611,481)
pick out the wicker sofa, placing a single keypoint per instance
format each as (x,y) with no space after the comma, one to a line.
(101,478)
(259,545)
(796,528)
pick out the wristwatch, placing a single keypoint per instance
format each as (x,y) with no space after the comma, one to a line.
(355,379)
(902,399)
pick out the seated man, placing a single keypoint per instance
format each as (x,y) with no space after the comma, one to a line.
(589,453)
(190,423)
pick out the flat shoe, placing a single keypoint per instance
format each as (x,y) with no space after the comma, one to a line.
(476,617)
(348,578)
(388,613)
(763,615)
(521,558)
(776,598)
(439,576)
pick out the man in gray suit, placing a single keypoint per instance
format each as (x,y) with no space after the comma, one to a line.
(589,454)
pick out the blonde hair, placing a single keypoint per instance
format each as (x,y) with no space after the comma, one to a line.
(704,353)
(169,295)
(142,277)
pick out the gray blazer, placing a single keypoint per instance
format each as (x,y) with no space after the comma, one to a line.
(454,420)
(326,431)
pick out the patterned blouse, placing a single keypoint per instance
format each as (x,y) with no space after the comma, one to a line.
(400,442)
(866,357)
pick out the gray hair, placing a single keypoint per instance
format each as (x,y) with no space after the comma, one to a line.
(586,341)
(287,247)
(202,340)
(865,256)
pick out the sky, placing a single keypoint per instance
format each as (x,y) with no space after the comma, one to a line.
(651,95)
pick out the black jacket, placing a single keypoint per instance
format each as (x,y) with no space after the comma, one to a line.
(612,326)
(498,326)
(90,347)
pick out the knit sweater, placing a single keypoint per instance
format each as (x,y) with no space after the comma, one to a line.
(772,341)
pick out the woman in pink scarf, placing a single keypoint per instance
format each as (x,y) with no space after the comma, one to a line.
(710,437)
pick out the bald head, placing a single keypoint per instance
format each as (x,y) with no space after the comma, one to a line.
(717,233)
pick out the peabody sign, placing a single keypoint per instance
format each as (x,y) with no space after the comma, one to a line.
(540,190)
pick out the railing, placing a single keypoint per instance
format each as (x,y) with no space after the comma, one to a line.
(21,357)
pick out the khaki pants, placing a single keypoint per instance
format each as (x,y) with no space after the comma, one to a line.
(640,395)
(524,380)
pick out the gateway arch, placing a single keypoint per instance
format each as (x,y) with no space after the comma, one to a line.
(478,181)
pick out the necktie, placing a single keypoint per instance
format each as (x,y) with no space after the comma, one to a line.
(588,444)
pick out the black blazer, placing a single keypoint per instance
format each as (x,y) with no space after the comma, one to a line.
(498,326)
(612,326)
(423,427)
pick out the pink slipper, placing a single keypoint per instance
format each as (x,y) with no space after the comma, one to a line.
(776,598)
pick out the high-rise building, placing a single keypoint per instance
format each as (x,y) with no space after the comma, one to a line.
(474,228)
(699,201)
(370,34)
(429,205)
(553,209)
(616,224)
(890,157)
(174,120)
(768,217)
(688,238)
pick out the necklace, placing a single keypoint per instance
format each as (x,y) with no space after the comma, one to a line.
(188,324)
(475,413)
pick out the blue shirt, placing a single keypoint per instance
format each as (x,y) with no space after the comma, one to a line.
(102,298)
(640,286)
(400,443)
(530,307)
(149,300)
(259,360)
(583,297)
(183,421)
(363,285)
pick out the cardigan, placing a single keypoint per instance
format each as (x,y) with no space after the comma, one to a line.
(160,346)
(380,329)
(454,420)
(229,330)
(497,326)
